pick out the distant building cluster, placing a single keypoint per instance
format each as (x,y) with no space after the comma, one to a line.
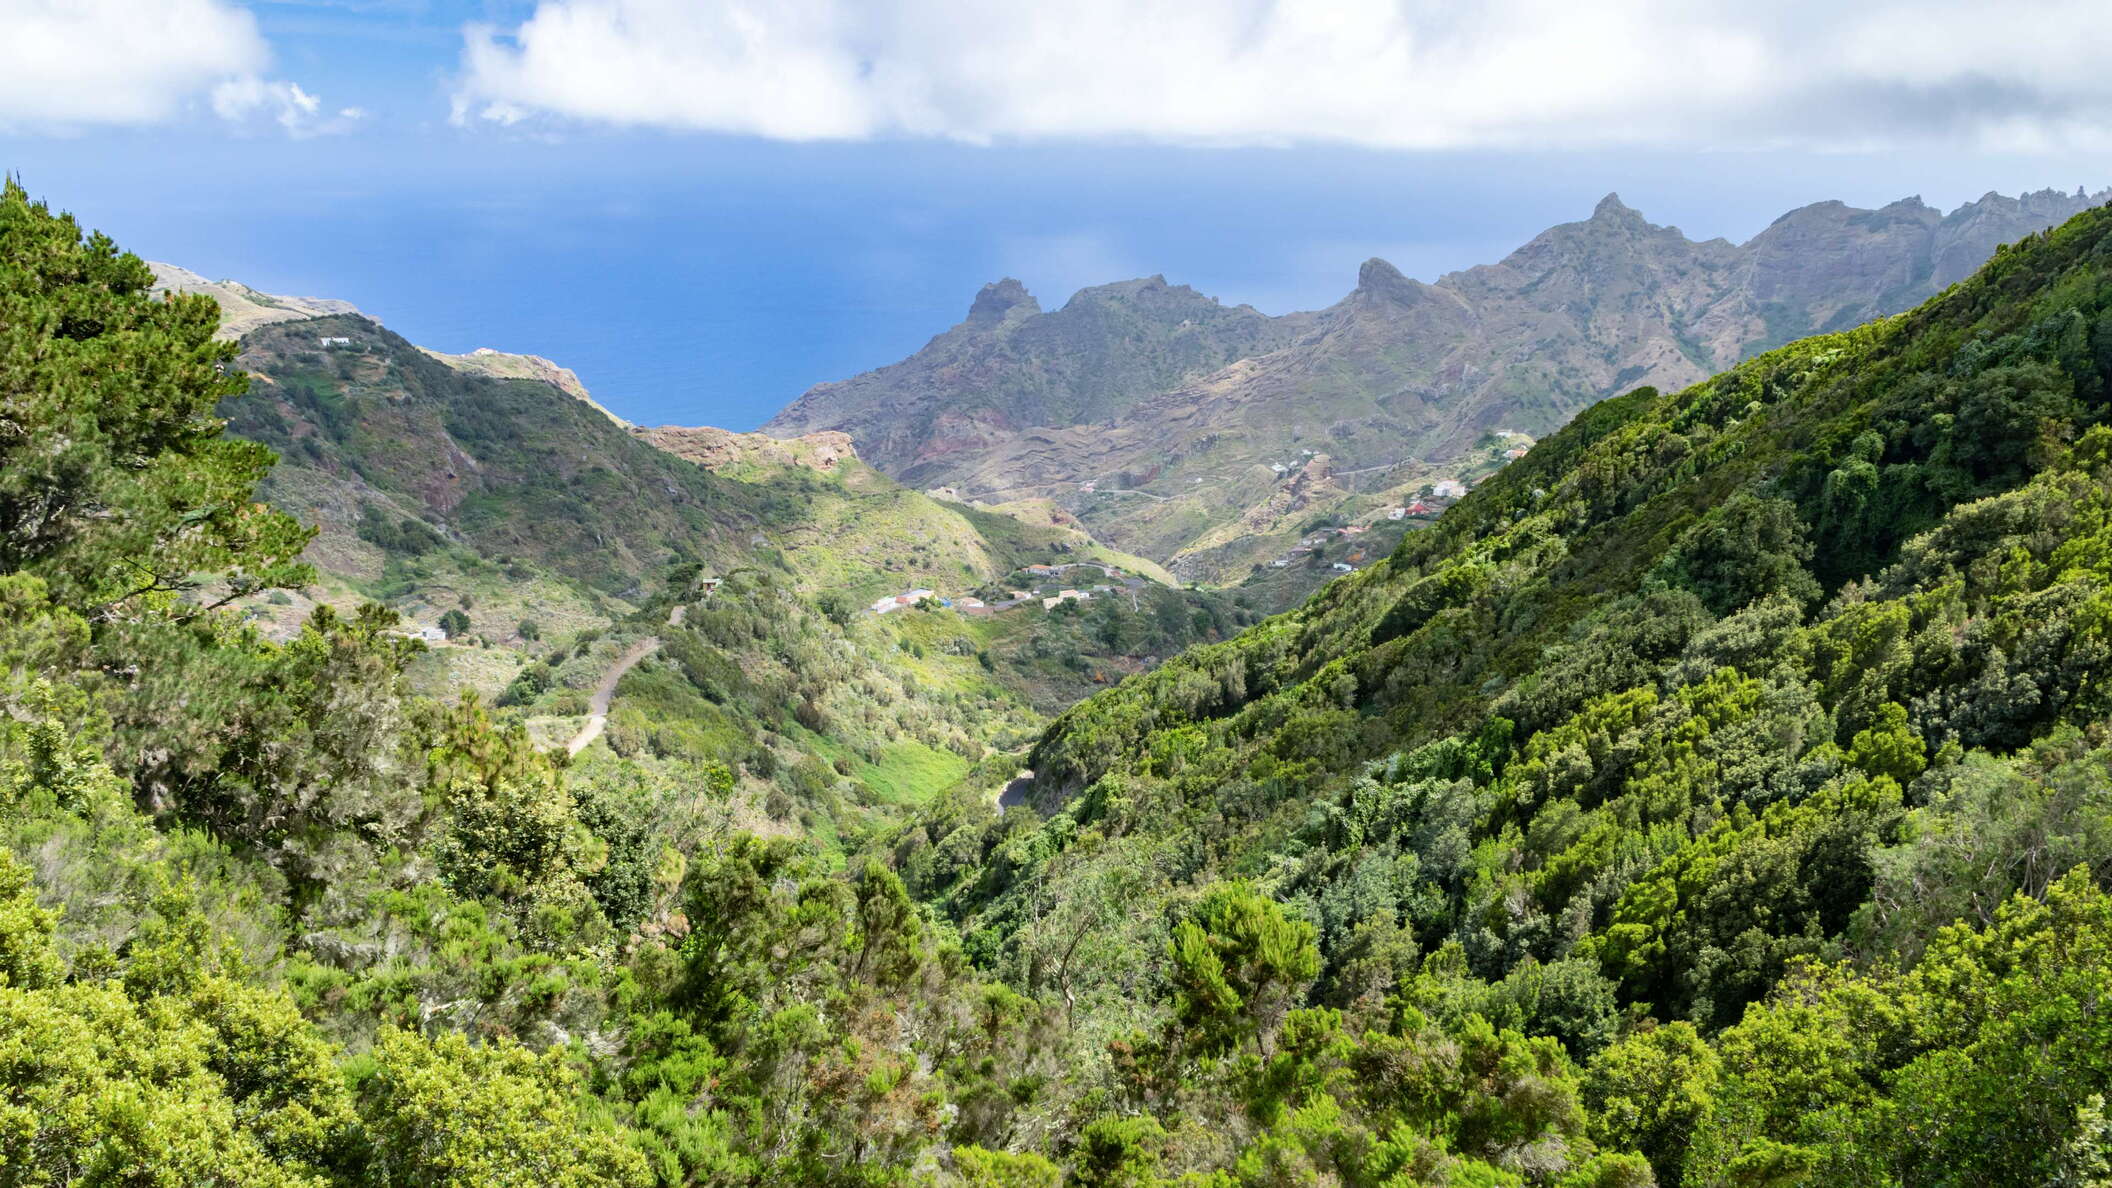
(329,341)
(1443,489)
(971,605)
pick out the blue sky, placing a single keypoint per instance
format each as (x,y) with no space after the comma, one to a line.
(705,207)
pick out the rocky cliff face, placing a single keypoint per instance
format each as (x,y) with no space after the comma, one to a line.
(243,309)
(1149,387)
(724,450)
(1009,366)
(502,365)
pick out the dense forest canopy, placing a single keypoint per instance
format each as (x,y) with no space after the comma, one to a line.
(1714,797)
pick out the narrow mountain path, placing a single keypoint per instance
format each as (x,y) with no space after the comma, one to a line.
(598,704)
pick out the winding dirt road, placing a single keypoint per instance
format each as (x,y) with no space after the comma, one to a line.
(598,704)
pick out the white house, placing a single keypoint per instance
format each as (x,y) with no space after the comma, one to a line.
(1344,568)
(329,341)
(1396,513)
(1448,489)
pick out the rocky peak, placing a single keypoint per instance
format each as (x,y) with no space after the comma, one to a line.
(1832,210)
(1150,290)
(997,301)
(1381,280)
(1611,210)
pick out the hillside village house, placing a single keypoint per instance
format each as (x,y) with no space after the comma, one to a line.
(1049,603)
(1448,489)
(895,602)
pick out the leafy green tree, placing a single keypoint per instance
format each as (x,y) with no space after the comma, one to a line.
(512,831)
(1744,550)
(1119,1152)
(1647,1090)
(116,482)
(974,1167)
(1238,966)
(447,1113)
(835,607)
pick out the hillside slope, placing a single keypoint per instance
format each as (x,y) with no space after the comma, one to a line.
(489,492)
(1807,662)
(1715,797)
(1397,375)
(526,468)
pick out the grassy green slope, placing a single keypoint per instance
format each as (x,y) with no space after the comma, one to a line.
(509,468)
(1707,684)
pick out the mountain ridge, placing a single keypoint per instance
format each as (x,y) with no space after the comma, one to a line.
(1399,371)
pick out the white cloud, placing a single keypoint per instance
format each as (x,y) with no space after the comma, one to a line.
(251,100)
(73,63)
(1386,73)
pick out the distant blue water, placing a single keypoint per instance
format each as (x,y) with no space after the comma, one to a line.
(709,281)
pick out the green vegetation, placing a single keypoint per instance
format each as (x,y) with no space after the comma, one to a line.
(829,728)
(1713,706)
(1714,797)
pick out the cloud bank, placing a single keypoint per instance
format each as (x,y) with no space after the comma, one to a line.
(1425,74)
(68,64)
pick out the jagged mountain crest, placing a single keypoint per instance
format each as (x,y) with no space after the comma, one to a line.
(999,301)
(1146,383)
